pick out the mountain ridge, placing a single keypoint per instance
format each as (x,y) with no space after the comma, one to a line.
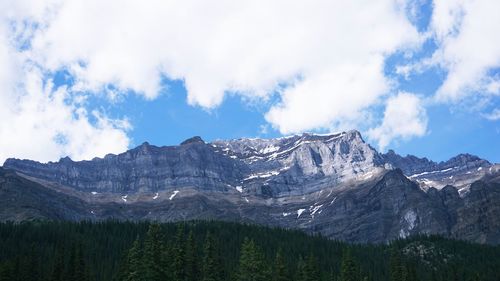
(336,185)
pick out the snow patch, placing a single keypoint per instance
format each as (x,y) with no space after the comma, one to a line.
(239,188)
(314,208)
(262,175)
(246,199)
(269,149)
(173,194)
(299,212)
(431,172)
(94,192)
(334,198)
(286,214)
(124,198)
(156,196)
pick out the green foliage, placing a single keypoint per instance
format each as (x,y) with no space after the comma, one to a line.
(220,251)
(349,269)
(135,270)
(191,258)
(280,268)
(252,263)
(178,254)
(212,268)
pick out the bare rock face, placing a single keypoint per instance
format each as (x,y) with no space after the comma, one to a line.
(460,171)
(336,185)
(145,168)
(479,216)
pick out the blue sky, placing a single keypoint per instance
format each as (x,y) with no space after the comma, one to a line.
(415,76)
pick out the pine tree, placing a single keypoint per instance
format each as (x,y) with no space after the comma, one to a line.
(69,273)
(58,268)
(167,261)
(280,270)
(211,269)
(301,274)
(396,267)
(80,270)
(179,255)
(348,271)
(135,264)
(412,273)
(333,277)
(191,261)
(312,270)
(6,271)
(252,265)
(152,256)
(32,266)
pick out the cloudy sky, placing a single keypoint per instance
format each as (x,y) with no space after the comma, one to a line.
(91,77)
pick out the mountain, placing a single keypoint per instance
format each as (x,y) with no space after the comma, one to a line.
(336,185)
(460,171)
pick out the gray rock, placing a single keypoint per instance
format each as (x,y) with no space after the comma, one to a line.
(336,185)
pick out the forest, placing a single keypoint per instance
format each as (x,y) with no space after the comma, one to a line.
(214,250)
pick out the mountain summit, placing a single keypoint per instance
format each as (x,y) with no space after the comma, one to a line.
(335,184)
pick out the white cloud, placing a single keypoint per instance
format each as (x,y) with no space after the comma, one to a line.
(494,115)
(469,46)
(330,52)
(41,124)
(39,121)
(404,117)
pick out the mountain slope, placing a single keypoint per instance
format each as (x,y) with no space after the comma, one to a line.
(337,185)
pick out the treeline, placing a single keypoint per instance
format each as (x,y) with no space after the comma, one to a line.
(200,250)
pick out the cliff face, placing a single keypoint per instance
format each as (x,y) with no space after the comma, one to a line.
(265,167)
(337,185)
(143,169)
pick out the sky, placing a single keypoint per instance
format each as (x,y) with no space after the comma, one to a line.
(85,78)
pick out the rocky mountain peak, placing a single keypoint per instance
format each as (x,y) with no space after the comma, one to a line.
(66,159)
(195,139)
(466,160)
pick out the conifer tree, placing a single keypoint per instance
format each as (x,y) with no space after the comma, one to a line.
(311,270)
(6,271)
(58,268)
(252,265)
(333,277)
(412,273)
(31,271)
(178,252)
(152,256)
(301,273)
(211,268)
(348,271)
(135,263)
(396,266)
(80,271)
(280,270)
(191,261)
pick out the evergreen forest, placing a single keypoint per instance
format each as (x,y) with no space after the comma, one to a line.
(213,251)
